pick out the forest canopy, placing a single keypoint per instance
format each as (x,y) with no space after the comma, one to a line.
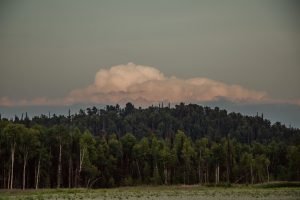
(114,146)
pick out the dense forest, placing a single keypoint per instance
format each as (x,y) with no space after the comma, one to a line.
(114,146)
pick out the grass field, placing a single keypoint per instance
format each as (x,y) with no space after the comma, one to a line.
(160,192)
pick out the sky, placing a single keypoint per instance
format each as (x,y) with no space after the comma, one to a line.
(58,53)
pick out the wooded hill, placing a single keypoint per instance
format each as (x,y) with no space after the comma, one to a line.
(185,144)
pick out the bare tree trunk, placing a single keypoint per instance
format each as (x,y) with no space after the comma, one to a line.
(70,171)
(139,171)
(35,173)
(76,177)
(8,179)
(228,162)
(38,174)
(59,167)
(207,173)
(12,164)
(184,176)
(4,178)
(188,176)
(251,172)
(268,173)
(217,174)
(199,173)
(81,157)
(24,169)
(199,166)
(166,174)
(228,171)
(169,176)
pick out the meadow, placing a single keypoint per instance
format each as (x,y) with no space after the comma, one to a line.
(158,192)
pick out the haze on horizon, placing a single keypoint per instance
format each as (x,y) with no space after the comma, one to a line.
(69,52)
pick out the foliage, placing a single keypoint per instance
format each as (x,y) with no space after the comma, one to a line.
(187,144)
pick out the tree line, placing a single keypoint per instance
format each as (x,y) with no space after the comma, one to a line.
(114,146)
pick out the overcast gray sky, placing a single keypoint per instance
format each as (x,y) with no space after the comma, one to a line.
(49,48)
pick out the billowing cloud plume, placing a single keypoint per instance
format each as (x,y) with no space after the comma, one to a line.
(143,84)
(146,85)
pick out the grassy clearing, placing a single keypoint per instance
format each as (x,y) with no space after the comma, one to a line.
(161,192)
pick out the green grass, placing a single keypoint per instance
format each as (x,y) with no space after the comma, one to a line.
(270,192)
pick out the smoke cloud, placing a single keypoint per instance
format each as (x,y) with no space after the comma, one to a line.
(144,85)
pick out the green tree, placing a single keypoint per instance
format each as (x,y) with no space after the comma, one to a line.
(12,134)
(201,148)
(87,149)
(169,160)
(217,159)
(187,154)
(114,157)
(261,163)
(293,156)
(28,143)
(60,136)
(247,165)
(142,153)
(128,141)
(156,147)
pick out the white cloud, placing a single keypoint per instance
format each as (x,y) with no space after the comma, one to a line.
(120,78)
(143,84)
(146,85)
